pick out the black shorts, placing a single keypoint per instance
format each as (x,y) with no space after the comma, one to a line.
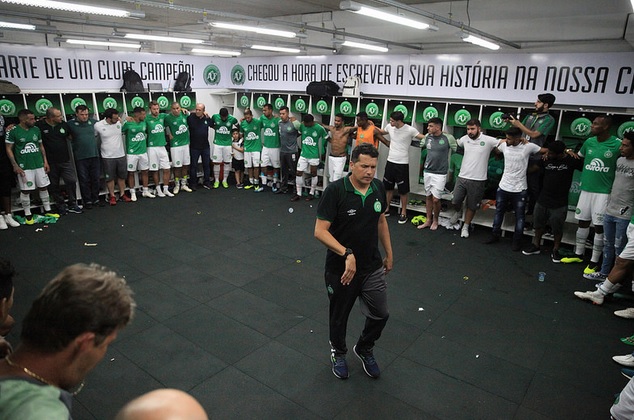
(237,165)
(396,174)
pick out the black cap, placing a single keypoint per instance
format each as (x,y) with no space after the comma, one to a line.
(547,98)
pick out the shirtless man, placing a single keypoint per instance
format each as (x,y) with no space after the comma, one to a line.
(339,135)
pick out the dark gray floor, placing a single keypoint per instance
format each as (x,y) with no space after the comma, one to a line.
(232,308)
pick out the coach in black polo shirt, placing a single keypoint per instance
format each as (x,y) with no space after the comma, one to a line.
(199,124)
(351,222)
(55,135)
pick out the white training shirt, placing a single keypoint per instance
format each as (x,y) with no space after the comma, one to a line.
(400,141)
(111,139)
(515,164)
(476,156)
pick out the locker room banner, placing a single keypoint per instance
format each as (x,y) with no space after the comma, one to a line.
(593,79)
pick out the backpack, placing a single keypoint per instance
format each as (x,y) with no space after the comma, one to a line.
(323,88)
(132,82)
(183,82)
(8,87)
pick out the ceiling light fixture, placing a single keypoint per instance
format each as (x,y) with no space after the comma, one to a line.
(77,8)
(13,25)
(256,29)
(466,37)
(215,52)
(276,49)
(102,43)
(365,46)
(145,37)
(388,17)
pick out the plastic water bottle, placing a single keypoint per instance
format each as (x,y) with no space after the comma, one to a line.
(541,276)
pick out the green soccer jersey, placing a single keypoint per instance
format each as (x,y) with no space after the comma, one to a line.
(310,140)
(251,131)
(156,130)
(179,129)
(26,147)
(271,132)
(599,164)
(135,137)
(223,129)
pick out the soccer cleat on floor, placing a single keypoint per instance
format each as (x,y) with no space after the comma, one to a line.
(29,220)
(598,276)
(177,189)
(248,187)
(627,360)
(133,197)
(370,366)
(147,194)
(186,188)
(159,193)
(3,223)
(464,233)
(570,260)
(216,184)
(11,221)
(339,366)
(259,188)
(225,184)
(555,257)
(112,200)
(402,219)
(594,296)
(625,313)
(591,268)
(125,198)
(532,250)
(167,193)
(55,215)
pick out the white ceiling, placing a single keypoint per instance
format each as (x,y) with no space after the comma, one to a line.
(535,26)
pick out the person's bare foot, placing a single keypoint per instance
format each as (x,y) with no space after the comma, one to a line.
(434,226)
(424,225)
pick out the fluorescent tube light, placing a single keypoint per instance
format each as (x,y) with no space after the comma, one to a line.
(277,49)
(102,43)
(215,52)
(364,46)
(76,8)
(479,41)
(144,37)
(256,29)
(13,25)
(388,17)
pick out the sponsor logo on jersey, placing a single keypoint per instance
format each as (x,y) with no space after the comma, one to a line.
(181,129)
(269,132)
(29,148)
(308,141)
(252,136)
(138,138)
(597,165)
(222,130)
(158,128)
(352,212)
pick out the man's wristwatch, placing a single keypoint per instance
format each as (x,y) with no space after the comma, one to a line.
(348,252)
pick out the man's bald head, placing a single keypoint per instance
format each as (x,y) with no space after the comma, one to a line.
(163,404)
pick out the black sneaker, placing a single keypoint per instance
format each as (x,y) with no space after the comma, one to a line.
(369,363)
(339,366)
(402,219)
(532,250)
(87,205)
(555,256)
(492,239)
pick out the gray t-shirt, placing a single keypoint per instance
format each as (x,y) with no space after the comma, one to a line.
(621,198)
(438,152)
(289,131)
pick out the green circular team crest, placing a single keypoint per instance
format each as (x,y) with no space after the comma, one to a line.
(345,107)
(42,105)
(163,102)
(185,101)
(109,103)
(7,108)
(29,183)
(377,205)
(321,106)
(403,109)
(461,117)
(211,75)
(626,127)
(244,101)
(238,75)
(279,103)
(137,102)
(429,113)
(497,122)
(580,127)
(372,110)
(300,105)
(260,102)
(76,102)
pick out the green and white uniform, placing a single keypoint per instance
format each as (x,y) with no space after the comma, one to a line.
(136,145)
(271,137)
(311,137)
(222,139)
(252,142)
(26,147)
(156,141)
(179,129)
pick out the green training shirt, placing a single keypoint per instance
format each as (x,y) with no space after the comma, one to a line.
(271,131)
(599,164)
(155,130)
(135,137)
(179,129)
(26,147)
(310,140)
(223,129)
(251,131)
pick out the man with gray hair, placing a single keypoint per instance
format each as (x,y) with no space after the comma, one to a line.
(64,335)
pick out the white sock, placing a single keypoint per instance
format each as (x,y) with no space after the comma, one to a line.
(46,200)
(299,182)
(146,189)
(607,287)
(313,184)
(183,182)
(217,172)
(225,174)
(25,199)
(465,226)
(580,242)
(597,247)
(165,188)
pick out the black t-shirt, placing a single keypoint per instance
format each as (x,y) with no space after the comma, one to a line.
(354,223)
(55,139)
(557,179)
(199,131)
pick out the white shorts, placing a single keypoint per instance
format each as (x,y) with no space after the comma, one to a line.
(252,159)
(158,158)
(434,184)
(180,156)
(628,251)
(271,157)
(591,206)
(32,179)
(221,154)
(304,164)
(138,162)
(335,167)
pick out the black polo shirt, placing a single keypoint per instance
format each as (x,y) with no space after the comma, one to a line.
(354,223)
(55,139)
(199,131)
